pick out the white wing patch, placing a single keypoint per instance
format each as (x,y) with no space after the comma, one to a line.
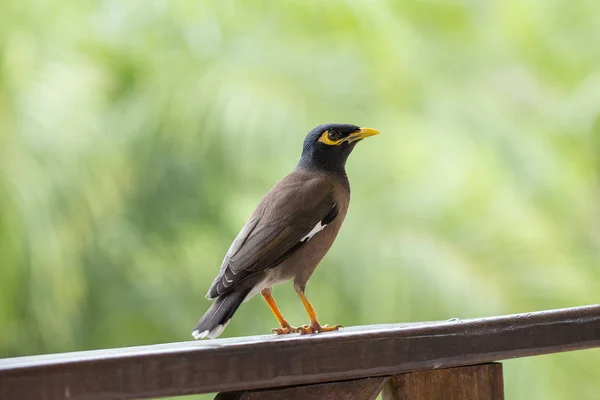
(318,228)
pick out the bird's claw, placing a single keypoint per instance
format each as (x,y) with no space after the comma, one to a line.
(285,330)
(316,328)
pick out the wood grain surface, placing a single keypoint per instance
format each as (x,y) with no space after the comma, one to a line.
(269,361)
(476,382)
(358,389)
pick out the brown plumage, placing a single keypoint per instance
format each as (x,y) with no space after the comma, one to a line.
(289,232)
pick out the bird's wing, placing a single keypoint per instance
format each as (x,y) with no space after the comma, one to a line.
(289,215)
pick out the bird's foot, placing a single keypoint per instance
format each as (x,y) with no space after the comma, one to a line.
(316,328)
(285,329)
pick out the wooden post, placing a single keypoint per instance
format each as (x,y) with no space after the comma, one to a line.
(359,389)
(475,382)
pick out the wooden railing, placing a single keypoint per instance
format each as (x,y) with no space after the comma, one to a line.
(433,360)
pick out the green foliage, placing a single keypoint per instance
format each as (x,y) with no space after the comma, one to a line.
(136,138)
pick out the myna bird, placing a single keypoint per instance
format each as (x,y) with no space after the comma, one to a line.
(289,232)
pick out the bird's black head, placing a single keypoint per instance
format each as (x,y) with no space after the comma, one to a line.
(328,146)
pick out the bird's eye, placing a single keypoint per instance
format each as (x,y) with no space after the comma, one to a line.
(334,136)
(331,138)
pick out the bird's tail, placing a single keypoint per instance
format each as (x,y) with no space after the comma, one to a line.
(214,321)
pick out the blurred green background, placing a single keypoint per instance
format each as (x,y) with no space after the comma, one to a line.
(137,137)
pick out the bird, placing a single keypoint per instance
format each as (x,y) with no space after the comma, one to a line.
(288,234)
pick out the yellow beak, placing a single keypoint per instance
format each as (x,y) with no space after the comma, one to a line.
(362,133)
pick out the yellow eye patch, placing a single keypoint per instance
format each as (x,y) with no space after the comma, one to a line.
(327,140)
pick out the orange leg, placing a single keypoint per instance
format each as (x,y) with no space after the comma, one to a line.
(314,326)
(285,326)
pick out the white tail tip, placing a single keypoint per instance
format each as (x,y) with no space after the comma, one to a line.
(216,331)
(200,335)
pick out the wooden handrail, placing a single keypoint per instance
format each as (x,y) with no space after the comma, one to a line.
(276,361)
